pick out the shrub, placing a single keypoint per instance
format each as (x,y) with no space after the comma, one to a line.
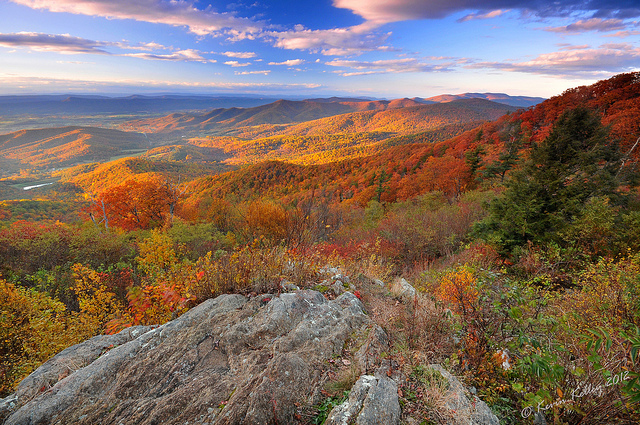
(33,327)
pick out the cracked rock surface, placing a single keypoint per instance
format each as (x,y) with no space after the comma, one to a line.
(230,360)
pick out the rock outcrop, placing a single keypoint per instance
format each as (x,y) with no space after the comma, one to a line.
(230,360)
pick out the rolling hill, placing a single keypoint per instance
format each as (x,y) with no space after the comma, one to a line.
(61,147)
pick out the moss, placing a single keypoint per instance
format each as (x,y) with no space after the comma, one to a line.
(321,288)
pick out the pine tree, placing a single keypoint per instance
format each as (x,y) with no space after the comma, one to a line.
(574,164)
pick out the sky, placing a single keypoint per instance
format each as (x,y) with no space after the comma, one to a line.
(374,48)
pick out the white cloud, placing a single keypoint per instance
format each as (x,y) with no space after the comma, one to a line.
(66,44)
(187,55)
(290,62)
(333,42)
(144,46)
(236,64)
(61,43)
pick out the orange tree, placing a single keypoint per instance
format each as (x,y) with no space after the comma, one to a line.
(134,205)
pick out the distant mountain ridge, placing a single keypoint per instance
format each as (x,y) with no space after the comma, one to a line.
(517,101)
(95,104)
(73,104)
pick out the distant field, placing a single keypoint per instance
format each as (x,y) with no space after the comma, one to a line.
(128,153)
(25,185)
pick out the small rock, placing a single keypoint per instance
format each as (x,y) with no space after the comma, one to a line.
(330,270)
(7,405)
(368,356)
(402,289)
(338,288)
(341,277)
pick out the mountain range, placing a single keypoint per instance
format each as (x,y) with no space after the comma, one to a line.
(74,104)
(299,131)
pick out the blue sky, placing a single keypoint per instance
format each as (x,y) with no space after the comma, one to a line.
(378,48)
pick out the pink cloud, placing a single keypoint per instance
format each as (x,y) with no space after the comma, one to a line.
(383,11)
(486,15)
(187,55)
(66,44)
(594,24)
(606,60)
(178,13)
(333,42)
(290,62)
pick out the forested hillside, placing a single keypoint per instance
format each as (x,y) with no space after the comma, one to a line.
(344,136)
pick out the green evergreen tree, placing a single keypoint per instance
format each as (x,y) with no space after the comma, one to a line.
(574,164)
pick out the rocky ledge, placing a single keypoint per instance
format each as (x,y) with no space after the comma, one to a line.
(230,360)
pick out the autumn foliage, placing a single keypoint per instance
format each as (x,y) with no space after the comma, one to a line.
(523,232)
(459,290)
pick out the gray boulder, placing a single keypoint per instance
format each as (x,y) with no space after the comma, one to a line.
(373,400)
